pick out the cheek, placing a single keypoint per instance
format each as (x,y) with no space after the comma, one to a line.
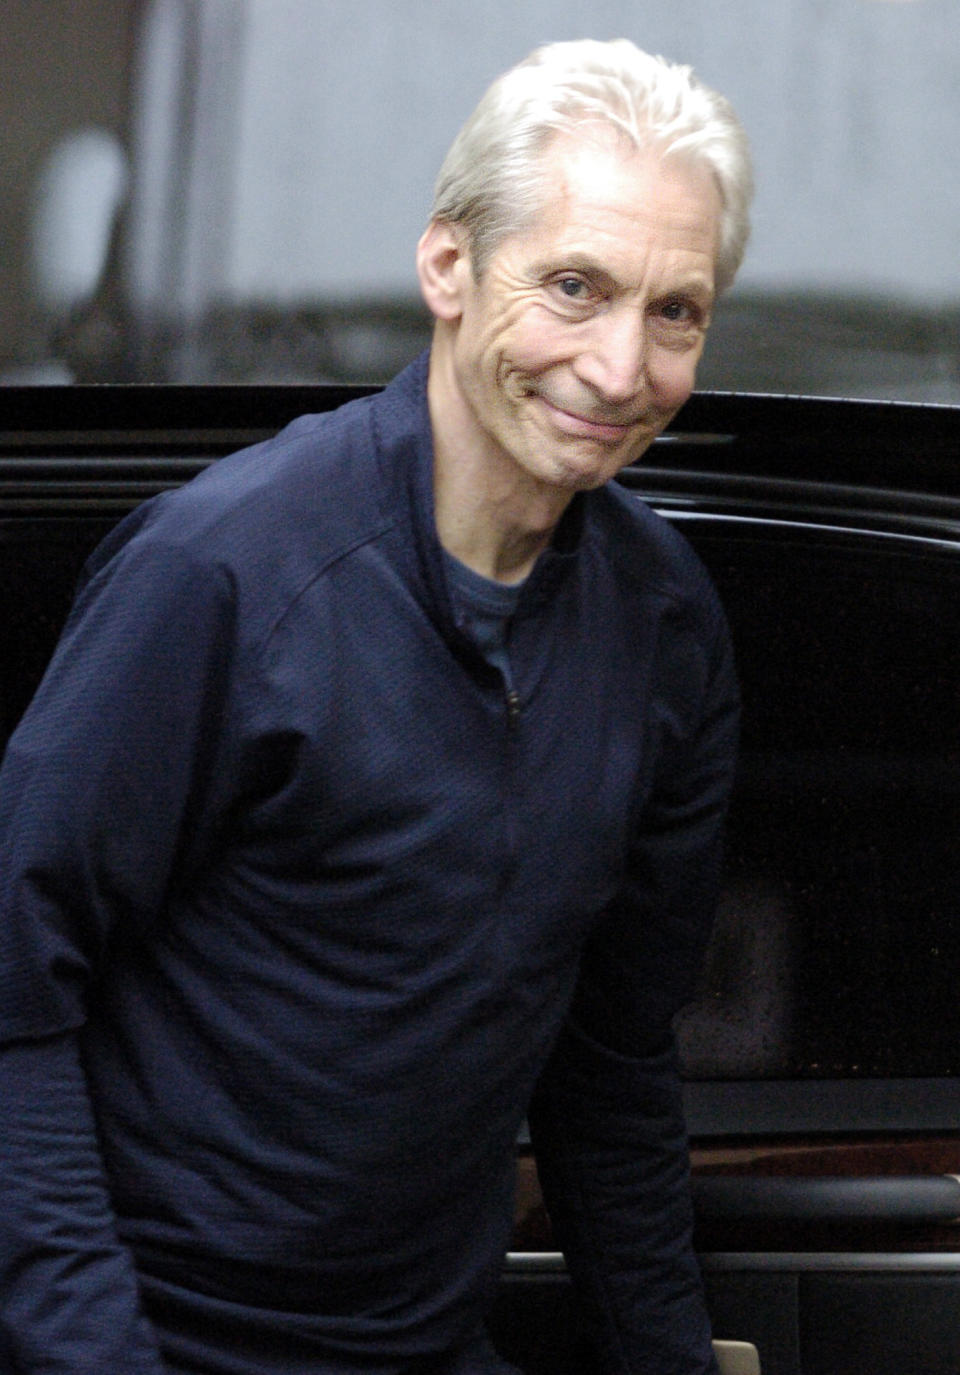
(529,342)
(672,376)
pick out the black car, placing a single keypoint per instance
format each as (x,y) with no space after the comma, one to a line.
(822,1056)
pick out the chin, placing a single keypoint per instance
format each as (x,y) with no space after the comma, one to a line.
(585,476)
(583,473)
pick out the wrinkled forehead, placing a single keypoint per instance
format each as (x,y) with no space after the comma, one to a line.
(598,173)
(596,145)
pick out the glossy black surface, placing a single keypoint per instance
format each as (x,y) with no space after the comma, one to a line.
(838,945)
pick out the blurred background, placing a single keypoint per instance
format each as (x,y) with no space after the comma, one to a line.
(232,190)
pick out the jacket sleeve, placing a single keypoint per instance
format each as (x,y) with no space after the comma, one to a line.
(607,1118)
(69,1293)
(101,785)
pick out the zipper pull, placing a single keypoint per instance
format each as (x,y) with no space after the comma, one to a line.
(513,707)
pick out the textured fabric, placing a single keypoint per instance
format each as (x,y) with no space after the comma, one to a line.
(313,903)
(483,610)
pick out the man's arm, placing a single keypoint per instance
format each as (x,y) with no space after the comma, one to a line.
(70,1301)
(607,1119)
(99,788)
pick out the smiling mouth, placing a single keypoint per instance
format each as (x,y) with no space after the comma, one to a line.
(584,427)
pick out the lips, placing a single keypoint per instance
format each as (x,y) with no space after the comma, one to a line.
(580,426)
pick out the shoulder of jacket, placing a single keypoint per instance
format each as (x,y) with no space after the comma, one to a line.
(643,543)
(309,492)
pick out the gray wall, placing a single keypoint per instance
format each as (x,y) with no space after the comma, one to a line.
(283,154)
(321,183)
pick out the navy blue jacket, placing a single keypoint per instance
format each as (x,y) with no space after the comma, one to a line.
(304,906)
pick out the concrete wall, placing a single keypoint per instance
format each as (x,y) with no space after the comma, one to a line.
(283,155)
(322,182)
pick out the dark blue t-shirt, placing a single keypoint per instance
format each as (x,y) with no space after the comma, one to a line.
(483,609)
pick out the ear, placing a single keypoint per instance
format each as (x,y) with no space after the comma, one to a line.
(443,266)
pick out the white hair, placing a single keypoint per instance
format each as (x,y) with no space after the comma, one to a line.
(490,180)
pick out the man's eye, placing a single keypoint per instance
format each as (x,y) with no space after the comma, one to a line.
(577,295)
(573,288)
(679,312)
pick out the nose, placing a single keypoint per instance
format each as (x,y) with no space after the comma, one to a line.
(613,360)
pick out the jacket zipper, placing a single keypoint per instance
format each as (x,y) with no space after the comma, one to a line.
(511,742)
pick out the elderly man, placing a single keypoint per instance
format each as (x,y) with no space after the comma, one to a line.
(372,800)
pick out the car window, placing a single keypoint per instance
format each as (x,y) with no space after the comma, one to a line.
(836,950)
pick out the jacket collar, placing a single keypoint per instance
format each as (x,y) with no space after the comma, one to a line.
(405,445)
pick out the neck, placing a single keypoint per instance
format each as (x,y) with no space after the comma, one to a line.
(490,514)
(499,534)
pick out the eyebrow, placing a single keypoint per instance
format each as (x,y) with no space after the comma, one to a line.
(573,262)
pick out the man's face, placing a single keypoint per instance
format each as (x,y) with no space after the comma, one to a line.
(581,340)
